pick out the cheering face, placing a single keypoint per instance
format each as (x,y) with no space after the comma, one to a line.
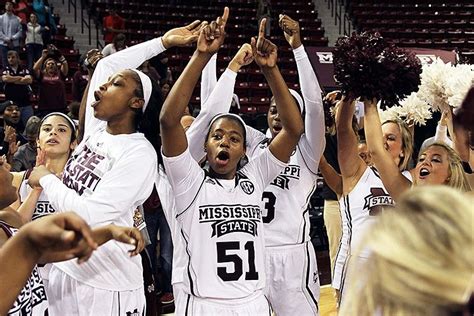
(393,143)
(274,123)
(114,98)
(7,190)
(433,166)
(55,136)
(225,147)
(11,115)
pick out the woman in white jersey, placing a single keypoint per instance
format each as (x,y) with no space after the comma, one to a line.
(219,103)
(364,194)
(292,274)
(218,211)
(111,172)
(286,199)
(437,163)
(56,140)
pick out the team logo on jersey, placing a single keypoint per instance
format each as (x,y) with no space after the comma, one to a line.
(283,179)
(247,186)
(230,218)
(377,200)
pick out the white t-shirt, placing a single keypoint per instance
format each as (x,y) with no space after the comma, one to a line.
(104,181)
(221,224)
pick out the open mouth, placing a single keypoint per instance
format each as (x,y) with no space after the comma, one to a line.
(222,158)
(424,172)
(277,128)
(97,97)
(52,142)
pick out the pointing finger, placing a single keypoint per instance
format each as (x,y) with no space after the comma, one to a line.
(261,30)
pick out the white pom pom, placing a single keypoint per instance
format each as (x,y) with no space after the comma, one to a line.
(457,84)
(414,110)
(443,85)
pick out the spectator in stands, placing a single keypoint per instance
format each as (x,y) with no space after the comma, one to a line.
(10,131)
(80,79)
(147,68)
(52,92)
(22,9)
(113,24)
(117,44)
(25,157)
(160,63)
(45,19)
(10,32)
(165,89)
(73,111)
(34,40)
(17,80)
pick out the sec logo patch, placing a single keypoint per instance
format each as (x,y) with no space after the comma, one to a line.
(247,186)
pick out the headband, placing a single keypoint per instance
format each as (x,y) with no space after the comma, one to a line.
(215,118)
(146,87)
(67,118)
(298,98)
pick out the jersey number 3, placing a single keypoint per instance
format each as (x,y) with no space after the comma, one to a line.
(223,257)
(270,200)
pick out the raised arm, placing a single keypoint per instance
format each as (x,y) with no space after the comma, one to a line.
(131,58)
(351,165)
(39,63)
(173,137)
(265,54)
(313,140)
(330,176)
(208,80)
(218,102)
(442,129)
(394,181)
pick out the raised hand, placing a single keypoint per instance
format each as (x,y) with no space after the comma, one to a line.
(291,29)
(10,134)
(243,57)
(212,35)
(182,36)
(264,51)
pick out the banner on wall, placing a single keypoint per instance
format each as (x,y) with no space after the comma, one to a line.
(321,59)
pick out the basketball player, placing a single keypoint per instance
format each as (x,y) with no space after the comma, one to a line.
(113,170)
(219,211)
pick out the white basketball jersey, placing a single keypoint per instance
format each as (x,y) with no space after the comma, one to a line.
(168,205)
(43,207)
(286,201)
(32,299)
(221,224)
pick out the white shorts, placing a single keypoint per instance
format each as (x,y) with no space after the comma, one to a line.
(292,285)
(71,297)
(254,305)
